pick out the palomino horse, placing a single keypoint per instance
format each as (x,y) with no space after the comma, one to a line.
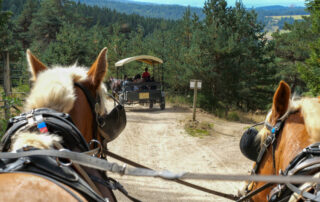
(289,130)
(56,89)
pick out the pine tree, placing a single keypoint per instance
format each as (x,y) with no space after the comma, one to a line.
(4,16)
(24,21)
(310,72)
(46,23)
(235,66)
(290,56)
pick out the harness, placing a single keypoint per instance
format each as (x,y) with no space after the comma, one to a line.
(56,122)
(306,162)
(44,120)
(46,166)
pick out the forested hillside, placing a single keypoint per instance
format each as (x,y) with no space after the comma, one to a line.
(173,12)
(227,49)
(176,12)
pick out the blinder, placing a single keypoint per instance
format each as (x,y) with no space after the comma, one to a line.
(109,125)
(112,124)
(250,144)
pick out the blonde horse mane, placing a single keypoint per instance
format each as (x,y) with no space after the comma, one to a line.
(310,109)
(54,89)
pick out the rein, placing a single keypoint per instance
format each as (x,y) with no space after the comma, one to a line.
(94,104)
(179,181)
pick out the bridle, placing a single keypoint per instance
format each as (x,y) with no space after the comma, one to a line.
(270,140)
(94,104)
(110,125)
(304,163)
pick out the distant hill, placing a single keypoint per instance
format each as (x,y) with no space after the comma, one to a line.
(279,11)
(172,12)
(175,12)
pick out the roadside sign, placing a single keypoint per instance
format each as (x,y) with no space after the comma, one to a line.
(193,83)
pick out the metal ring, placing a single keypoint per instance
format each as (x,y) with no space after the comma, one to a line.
(99,145)
(61,163)
(123,169)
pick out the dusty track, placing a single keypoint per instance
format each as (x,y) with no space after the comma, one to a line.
(158,140)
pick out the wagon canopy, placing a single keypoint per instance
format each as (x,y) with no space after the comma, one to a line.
(151,60)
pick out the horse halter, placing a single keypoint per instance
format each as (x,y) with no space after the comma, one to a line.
(275,130)
(251,148)
(108,125)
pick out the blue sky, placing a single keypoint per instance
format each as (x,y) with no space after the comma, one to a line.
(247,3)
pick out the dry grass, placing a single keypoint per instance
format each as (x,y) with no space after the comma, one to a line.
(296,17)
(244,117)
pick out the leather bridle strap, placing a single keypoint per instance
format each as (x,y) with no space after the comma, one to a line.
(269,140)
(92,103)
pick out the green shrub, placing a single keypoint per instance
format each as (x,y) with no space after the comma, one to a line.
(12,102)
(233,116)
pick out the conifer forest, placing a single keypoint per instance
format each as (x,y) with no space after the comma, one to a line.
(226,47)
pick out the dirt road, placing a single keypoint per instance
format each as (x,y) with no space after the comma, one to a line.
(157,139)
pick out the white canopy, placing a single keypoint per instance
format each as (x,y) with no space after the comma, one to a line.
(142,58)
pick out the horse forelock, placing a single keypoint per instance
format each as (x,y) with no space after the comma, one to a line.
(54,89)
(310,109)
(43,141)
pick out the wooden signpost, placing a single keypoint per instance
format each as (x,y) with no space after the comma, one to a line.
(195,84)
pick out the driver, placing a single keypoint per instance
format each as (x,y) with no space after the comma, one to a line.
(146,74)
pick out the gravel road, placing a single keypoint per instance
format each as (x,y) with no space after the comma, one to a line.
(157,139)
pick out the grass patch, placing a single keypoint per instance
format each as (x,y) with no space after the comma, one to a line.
(198,129)
(233,116)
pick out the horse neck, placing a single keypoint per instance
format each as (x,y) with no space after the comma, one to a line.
(292,139)
(81,115)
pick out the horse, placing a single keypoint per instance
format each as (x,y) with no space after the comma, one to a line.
(58,91)
(115,85)
(286,145)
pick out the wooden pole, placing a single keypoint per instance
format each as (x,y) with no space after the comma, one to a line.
(195,99)
(7,85)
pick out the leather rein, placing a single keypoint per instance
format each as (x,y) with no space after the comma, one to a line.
(94,102)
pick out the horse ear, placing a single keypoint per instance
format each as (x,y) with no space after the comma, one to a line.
(98,69)
(35,65)
(281,100)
